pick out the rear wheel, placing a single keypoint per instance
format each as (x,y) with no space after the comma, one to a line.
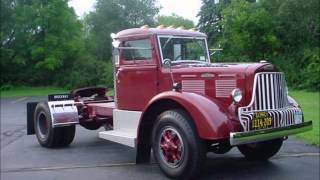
(177,146)
(261,150)
(47,135)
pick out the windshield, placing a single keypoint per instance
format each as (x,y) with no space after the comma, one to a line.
(179,49)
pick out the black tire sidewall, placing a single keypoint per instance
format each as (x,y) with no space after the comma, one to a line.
(178,120)
(56,137)
(173,171)
(261,150)
(43,108)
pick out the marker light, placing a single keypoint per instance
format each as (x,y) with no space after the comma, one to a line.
(144,27)
(161,26)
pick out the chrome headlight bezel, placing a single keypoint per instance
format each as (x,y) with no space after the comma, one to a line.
(236,95)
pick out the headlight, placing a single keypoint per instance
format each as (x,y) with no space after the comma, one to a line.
(236,95)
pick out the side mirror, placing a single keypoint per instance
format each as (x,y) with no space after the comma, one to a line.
(167,63)
(116,43)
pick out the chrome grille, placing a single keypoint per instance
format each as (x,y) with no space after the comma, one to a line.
(269,94)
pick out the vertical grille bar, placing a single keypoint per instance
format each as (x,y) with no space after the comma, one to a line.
(263,92)
(255,103)
(272,91)
(282,90)
(268,93)
(258,93)
(276,91)
(279,91)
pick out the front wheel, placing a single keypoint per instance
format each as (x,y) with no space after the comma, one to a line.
(176,145)
(261,150)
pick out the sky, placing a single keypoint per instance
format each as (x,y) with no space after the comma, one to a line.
(185,8)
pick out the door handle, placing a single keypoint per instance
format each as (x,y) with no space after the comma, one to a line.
(117,75)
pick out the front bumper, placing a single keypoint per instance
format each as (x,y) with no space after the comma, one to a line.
(237,138)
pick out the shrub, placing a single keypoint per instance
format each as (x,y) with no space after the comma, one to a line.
(87,72)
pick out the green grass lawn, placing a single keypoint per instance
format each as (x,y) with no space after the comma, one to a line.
(30,91)
(309,102)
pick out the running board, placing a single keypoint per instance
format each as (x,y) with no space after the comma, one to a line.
(123,136)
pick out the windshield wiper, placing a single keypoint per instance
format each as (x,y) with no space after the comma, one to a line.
(166,43)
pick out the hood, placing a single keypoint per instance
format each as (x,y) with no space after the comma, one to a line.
(216,69)
(218,80)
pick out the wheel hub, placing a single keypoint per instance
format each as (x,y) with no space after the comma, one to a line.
(171,147)
(42,125)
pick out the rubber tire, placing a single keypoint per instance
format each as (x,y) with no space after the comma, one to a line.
(56,137)
(261,150)
(194,147)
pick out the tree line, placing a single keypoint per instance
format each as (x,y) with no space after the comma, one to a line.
(43,42)
(283,32)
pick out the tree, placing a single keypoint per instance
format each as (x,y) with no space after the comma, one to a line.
(284,32)
(248,31)
(210,19)
(112,16)
(44,36)
(138,12)
(175,20)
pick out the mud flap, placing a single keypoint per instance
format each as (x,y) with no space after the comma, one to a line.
(31,106)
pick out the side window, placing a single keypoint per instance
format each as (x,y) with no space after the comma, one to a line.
(137,50)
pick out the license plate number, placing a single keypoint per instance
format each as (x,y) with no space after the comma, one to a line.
(261,120)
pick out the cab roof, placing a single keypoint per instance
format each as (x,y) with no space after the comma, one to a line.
(158,31)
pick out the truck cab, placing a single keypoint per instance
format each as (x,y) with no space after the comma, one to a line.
(170,98)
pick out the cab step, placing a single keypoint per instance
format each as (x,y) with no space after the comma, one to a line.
(125,126)
(123,136)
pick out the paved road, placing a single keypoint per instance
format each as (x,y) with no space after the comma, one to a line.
(89,157)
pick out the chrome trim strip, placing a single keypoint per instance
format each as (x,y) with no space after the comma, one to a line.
(272,92)
(238,138)
(263,93)
(188,76)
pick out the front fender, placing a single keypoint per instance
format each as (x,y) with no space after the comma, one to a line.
(293,102)
(210,118)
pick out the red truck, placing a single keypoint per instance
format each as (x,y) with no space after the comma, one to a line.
(170,99)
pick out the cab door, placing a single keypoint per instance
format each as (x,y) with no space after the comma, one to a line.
(136,75)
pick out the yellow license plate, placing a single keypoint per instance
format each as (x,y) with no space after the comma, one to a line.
(261,120)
